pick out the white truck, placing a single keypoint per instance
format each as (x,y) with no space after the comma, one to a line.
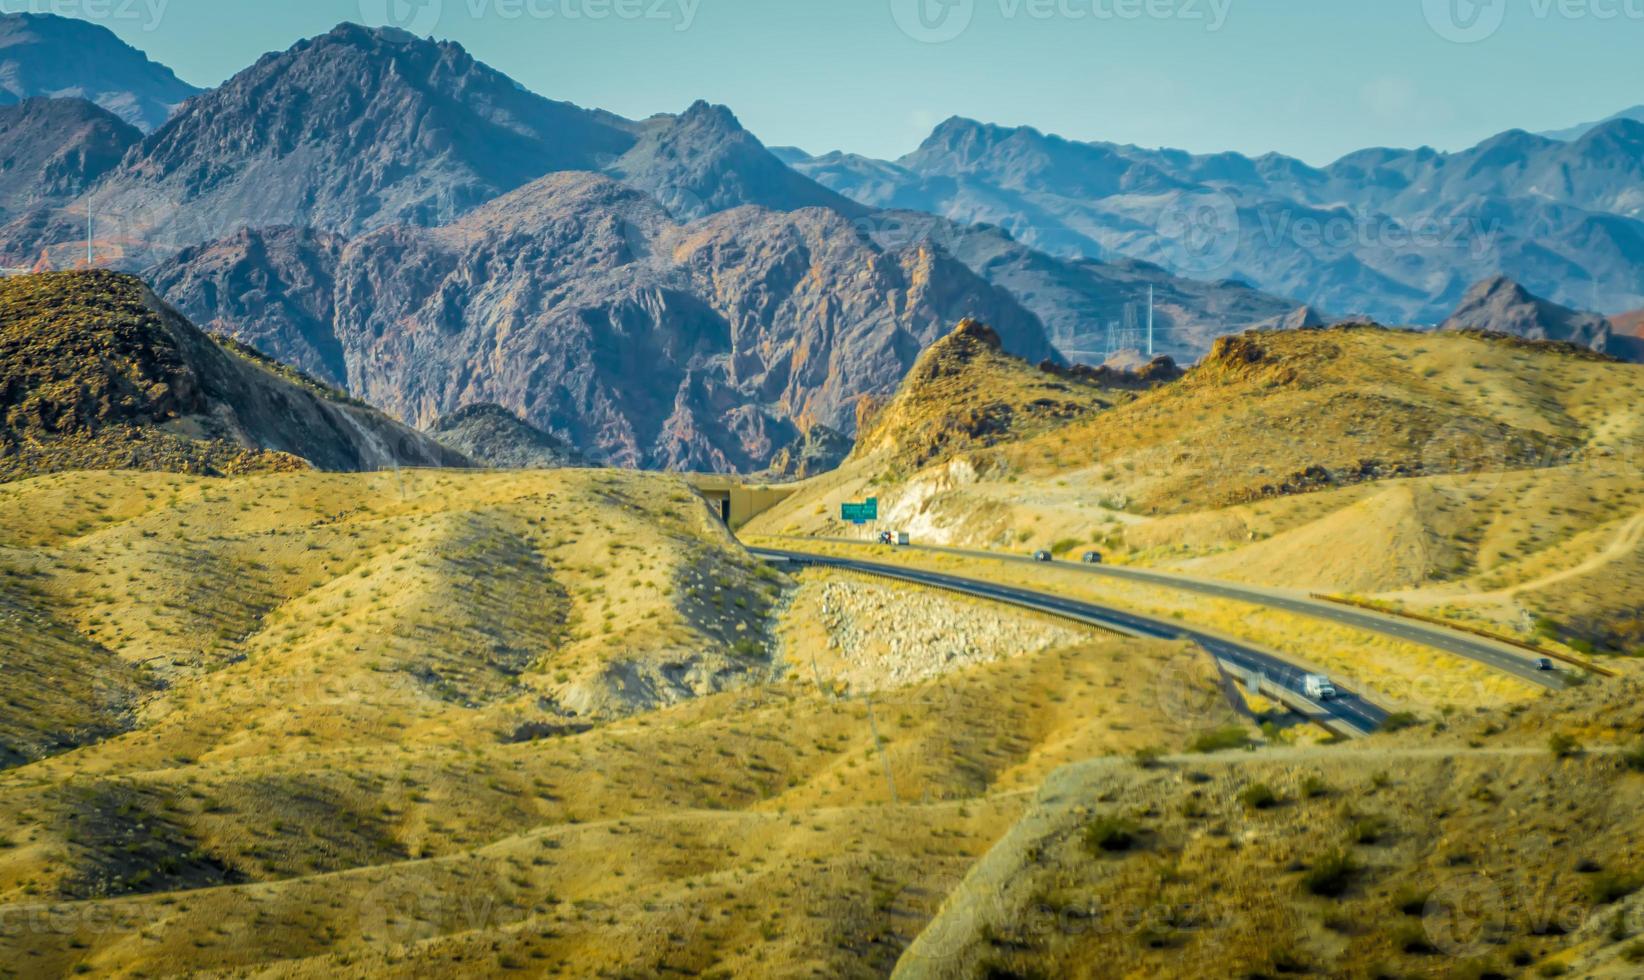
(1317,687)
(903,539)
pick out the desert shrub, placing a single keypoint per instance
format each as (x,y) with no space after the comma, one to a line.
(1314,787)
(1148,758)
(1564,746)
(1220,740)
(1413,939)
(1613,887)
(1287,962)
(1111,835)
(1412,902)
(1065,545)
(1398,721)
(1259,796)
(1332,875)
(1371,829)
(1634,758)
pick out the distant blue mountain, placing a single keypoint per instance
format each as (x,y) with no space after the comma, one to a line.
(43,55)
(1397,235)
(1636,114)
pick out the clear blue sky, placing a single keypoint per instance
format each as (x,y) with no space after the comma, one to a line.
(1313,78)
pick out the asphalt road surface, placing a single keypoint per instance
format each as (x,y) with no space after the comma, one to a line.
(1349,713)
(1498,656)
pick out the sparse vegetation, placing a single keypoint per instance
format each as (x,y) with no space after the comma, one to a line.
(1259,796)
(1220,740)
(1564,746)
(1111,835)
(1332,875)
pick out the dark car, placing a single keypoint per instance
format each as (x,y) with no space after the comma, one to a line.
(1093,558)
(1042,555)
(1545,664)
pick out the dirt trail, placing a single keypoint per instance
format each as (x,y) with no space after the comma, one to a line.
(1627,540)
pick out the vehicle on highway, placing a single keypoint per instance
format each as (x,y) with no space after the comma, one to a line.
(1093,558)
(884,537)
(1318,687)
(1042,555)
(903,539)
(1545,664)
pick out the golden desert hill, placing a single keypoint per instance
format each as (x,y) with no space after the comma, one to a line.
(1476,477)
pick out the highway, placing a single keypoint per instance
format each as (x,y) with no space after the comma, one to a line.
(1498,656)
(1349,714)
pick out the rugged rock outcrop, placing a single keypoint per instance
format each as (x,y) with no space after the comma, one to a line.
(66,57)
(581,305)
(271,288)
(965,393)
(98,373)
(492,436)
(819,449)
(1500,305)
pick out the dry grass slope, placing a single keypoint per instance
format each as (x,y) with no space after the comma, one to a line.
(452,724)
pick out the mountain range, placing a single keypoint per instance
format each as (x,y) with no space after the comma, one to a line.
(406,223)
(1394,235)
(710,305)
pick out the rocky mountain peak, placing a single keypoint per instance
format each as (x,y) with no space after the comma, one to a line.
(1501,305)
(350,131)
(975,331)
(702,162)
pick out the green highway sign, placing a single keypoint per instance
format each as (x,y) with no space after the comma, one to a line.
(860,513)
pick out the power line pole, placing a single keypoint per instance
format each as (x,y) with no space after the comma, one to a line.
(1150,322)
(90,237)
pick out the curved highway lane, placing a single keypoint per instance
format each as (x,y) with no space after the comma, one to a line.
(1349,712)
(1498,656)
